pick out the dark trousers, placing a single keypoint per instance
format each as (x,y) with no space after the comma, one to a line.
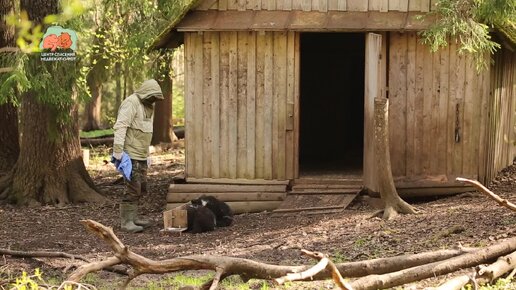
(135,188)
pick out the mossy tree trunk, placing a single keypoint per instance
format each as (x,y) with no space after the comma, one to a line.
(163,130)
(94,79)
(92,111)
(49,169)
(9,145)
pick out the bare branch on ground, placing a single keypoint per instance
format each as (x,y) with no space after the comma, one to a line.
(489,193)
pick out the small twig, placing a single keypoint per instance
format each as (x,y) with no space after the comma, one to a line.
(473,280)
(128,280)
(486,191)
(217,278)
(78,285)
(509,277)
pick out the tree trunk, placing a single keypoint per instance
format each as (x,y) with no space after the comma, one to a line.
(49,169)
(118,86)
(162,131)
(92,110)
(393,203)
(9,145)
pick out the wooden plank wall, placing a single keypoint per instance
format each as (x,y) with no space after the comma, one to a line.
(320,5)
(239,88)
(499,133)
(437,108)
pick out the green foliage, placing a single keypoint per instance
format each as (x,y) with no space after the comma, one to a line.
(501,284)
(96,133)
(36,282)
(28,282)
(469,23)
(57,84)
(178,101)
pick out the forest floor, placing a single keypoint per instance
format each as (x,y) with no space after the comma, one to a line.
(469,219)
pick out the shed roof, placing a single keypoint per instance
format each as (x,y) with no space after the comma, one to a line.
(333,21)
(508,34)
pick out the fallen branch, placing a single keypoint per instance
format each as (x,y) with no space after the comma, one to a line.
(324,263)
(309,273)
(489,193)
(335,274)
(437,268)
(454,284)
(483,275)
(41,254)
(247,269)
(45,254)
(501,266)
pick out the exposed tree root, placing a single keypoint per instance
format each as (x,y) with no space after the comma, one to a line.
(489,193)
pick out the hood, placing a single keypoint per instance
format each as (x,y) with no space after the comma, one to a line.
(148,88)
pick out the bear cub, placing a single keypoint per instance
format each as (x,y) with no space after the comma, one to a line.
(222,211)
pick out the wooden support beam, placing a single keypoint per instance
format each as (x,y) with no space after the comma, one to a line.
(209,188)
(239,207)
(238,181)
(175,197)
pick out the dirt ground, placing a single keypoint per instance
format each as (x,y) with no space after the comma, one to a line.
(469,219)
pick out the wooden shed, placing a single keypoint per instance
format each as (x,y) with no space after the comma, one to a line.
(282,92)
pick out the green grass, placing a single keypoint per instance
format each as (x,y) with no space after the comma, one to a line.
(96,133)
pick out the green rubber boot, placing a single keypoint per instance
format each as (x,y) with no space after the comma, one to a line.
(127,216)
(141,222)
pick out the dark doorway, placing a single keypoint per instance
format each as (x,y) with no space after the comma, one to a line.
(332,104)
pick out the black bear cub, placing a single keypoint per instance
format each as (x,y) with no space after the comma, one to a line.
(200,219)
(222,211)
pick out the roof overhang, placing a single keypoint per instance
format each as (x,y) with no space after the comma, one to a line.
(507,35)
(302,21)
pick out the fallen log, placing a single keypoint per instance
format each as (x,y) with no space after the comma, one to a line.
(483,275)
(501,266)
(247,269)
(88,142)
(435,269)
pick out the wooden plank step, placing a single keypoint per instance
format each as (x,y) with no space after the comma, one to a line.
(175,197)
(243,206)
(325,186)
(237,181)
(325,191)
(317,202)
(346,181)
(209,188)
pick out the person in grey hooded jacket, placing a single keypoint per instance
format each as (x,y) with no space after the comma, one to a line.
(133,134)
